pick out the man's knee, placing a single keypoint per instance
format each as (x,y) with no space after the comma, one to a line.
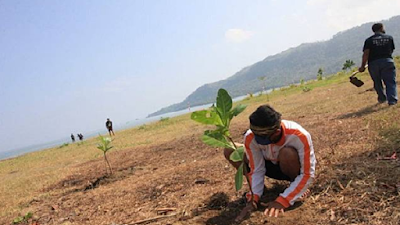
(289,162)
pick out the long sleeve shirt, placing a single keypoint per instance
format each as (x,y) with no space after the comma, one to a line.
(293,136)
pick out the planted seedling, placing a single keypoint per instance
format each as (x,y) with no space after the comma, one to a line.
(221,116)
(105,146)
(23,219)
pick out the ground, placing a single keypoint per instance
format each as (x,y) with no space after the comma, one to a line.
(183,181)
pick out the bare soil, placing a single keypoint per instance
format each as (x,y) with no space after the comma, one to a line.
(187,182)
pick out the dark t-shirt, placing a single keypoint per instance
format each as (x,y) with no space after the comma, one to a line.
(380,46)
(109,124)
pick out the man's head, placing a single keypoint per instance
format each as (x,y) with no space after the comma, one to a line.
(265,123)
(108,119)
(378,27)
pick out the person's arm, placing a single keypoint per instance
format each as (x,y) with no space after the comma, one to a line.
(393,48)
(366,50)
(257,168)
(255,175)
(364,60)
(305,149)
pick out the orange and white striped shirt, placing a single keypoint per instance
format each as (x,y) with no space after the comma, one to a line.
(293,136)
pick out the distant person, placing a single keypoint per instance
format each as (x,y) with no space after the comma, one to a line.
(378,51)
(80,137)
(72,137)
(109,126)
(279,149)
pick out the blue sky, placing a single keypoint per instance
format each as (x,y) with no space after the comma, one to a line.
(66,66)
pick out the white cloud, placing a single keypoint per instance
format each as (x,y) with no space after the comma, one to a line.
(238,35)
(344,14)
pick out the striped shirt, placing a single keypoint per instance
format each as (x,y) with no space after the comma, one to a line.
(293,136)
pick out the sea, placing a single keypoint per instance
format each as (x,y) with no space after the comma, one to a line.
(130,124)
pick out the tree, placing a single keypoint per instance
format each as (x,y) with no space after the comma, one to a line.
(262,78)
(319,75)
(348,64)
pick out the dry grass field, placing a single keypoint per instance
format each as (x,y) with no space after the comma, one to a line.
(164,174)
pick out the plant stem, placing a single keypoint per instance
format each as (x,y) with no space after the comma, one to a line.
(105,157)
(244,170)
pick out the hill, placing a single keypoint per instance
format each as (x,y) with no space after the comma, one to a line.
(292,65)
(163,172)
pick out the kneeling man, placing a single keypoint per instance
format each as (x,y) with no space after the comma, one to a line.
(279,149)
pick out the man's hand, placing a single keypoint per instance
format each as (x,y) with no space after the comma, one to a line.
(361,69)
(250,207)
(273,209)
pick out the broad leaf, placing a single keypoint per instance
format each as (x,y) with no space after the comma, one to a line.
(224,104)
(237,155)
(209,117)
(239,178)
(216,140)
(238,109)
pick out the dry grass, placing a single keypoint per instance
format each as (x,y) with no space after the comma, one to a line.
(156,165)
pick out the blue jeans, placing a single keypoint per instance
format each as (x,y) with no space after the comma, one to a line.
(384,70)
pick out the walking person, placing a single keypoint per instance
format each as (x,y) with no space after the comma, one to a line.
(109,126)
(279,149)
(72,137)
(378,51)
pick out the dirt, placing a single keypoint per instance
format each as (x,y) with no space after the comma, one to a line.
(196,183)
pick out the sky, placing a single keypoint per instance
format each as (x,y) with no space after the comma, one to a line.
(66,66)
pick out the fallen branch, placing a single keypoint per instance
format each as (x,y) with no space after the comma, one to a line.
(151,219)
(164,210)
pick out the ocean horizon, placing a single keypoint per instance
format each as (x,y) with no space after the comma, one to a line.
(118,127)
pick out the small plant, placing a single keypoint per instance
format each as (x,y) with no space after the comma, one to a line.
(221,116)
(63,145)
(143,127)
(250,95)
(164,119)
(306,89)
(104,146)
(23,219)
(301,81)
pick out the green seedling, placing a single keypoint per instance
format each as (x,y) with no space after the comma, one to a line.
(221,116)
(23,219)
(105,146)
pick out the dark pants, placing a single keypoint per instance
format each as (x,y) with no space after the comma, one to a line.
(384,70)
(273,171)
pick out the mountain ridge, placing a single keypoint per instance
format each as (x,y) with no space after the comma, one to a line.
(291,65)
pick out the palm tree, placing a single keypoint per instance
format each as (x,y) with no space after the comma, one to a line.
(348,64)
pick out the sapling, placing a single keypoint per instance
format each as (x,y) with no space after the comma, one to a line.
(104,146)
(221,116)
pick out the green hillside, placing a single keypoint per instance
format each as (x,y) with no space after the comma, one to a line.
(292,65)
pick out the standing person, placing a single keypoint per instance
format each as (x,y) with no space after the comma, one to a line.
(279,149)
(72,137)
(109,127)
(378,51)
